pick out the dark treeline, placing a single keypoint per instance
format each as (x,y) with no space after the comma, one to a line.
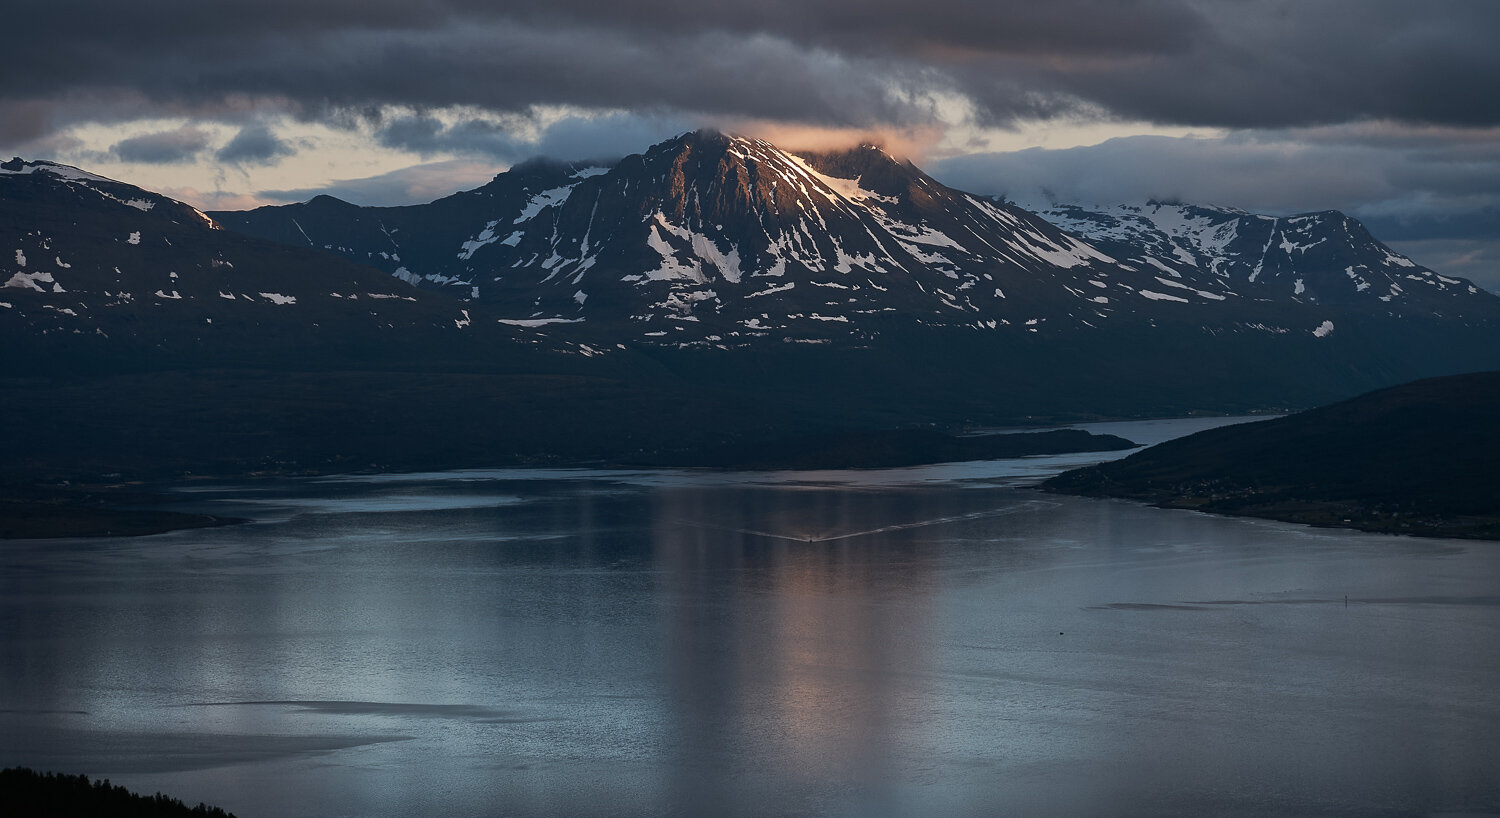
(26,793)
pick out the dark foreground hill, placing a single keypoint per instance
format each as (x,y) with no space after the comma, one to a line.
(1415,459)
(25,793)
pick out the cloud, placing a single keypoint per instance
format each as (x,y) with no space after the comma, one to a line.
(413,185)
(1387,108)
(253,145)
(206,200)
(163,147)
(606,137)
(909,143)
(1266,171)
(25,120)
(425,134)
(845,63)
(569,136)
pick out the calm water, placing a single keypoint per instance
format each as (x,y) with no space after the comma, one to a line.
(921,642)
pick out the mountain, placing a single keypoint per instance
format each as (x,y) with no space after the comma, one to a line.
(719,241)
(1418,459)
(851,279)
(1324,258)
(143,339)
(98,270)
(714,294)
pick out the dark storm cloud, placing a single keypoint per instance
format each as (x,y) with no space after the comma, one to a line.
(412,185)
(573,137)
(1272,63)
(1435,173)
(843,62)
(1262,175)
(163,148)
(254,145)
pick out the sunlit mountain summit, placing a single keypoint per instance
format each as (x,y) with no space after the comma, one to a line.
(717,240)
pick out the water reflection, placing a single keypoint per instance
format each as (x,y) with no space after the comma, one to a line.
(797,647)
(650,644)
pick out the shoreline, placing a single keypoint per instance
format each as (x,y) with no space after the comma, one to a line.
(116,510)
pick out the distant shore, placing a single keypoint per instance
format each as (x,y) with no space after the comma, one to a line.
(1348,514)
(70,509)
(105,510)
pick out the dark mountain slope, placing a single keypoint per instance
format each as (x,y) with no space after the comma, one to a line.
(98,274)
(1419,458)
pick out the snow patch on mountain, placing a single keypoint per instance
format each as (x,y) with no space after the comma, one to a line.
(537,322)
(848,189)
(29,281)
(545,199)
(672,268)
(1156,296)
(485,237)
(67,172)
(705,249)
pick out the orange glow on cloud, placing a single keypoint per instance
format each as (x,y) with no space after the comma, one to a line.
(217,200)
(908,143)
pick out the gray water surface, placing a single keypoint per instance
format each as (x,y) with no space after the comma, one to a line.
(941,641)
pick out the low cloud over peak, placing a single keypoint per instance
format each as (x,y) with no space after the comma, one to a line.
(474,80)
(826,62)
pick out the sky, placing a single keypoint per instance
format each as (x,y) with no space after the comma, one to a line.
(1386,109)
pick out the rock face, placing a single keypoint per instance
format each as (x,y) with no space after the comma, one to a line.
(1417,459)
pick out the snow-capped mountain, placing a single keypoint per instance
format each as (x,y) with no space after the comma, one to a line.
(719,271)
(87,256)
(715,240)
(1315,258)
(722,239)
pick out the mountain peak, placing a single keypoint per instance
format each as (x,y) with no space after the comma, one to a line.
(325,200)
(709,238)
(65,172)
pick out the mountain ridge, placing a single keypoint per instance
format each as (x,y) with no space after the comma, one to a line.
(693,222)
(710,294)
(1319,256)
